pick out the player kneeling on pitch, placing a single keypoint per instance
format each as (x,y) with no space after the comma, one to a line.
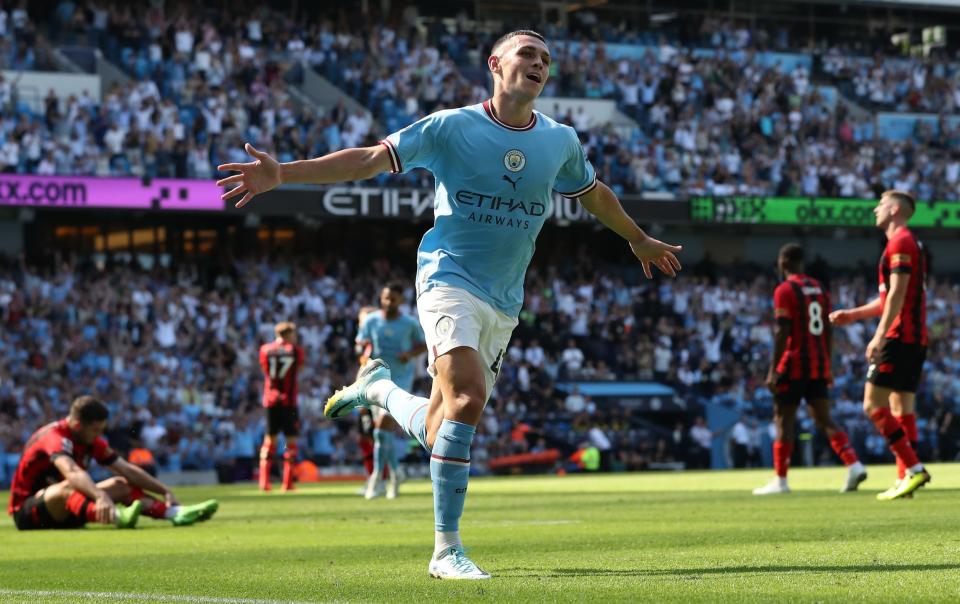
(52,489)
(800,369)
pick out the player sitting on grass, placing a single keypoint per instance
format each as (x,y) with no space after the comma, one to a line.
(52,489)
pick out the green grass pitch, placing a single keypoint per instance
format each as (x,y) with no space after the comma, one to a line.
(696,536)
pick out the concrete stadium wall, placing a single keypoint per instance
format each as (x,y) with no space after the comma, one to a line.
(33,86)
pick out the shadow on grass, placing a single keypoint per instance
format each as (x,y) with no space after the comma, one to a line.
(694,573)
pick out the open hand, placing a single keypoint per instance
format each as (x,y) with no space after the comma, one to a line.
(255,177)
(662,255)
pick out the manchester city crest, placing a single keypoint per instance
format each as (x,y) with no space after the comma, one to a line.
(514,160)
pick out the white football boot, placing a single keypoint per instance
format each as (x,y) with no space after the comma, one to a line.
(777,486)
(374,489)
(456,565)
(856,474)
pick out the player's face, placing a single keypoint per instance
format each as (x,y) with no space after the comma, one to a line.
(523,65)
(390,300)
(781,267)
(883,211)
(89,432)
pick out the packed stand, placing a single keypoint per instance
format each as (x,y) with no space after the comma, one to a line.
(918,84)
(198,91)
(206,82)
(719,125)
(18,39)
(173,353)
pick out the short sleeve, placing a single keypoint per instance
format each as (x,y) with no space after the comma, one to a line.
(55,444)
(103,453)
(263,358)
(783,303)
(902,253)
(577,176)
(415,146)
(363,334)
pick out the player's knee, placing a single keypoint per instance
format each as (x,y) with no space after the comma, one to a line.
(870,405)
(115,485)
(465,404)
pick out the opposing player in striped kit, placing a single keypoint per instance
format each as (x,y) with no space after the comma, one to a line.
(897,351)
(800,369)
(281,361)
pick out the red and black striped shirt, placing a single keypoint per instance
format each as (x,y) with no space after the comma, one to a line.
(36,469)
(280,362)
(804,304)
(905,254)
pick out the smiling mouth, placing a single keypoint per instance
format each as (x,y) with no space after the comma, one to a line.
(535,77)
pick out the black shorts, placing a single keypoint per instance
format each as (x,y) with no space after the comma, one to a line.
(790,392)
(284,419)
(33,515)
(898,366)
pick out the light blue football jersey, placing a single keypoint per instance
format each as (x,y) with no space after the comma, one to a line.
(494,187)
(390,337)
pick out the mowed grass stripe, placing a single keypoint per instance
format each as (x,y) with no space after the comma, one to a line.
(697,536)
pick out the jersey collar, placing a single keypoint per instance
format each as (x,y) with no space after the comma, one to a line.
(488,109)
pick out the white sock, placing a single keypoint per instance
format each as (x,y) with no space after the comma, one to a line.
(172,511)
(377,392)
(443,541)
(915,469)
(782,480)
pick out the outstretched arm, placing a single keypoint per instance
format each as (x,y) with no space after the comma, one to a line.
(266,173)
(603,203)
(871,309)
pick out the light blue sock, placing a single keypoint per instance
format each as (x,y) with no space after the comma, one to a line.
(379,454)
(410,412)
(450,471)
(389,445)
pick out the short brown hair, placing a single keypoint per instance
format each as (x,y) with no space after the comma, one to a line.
(284,327)
(87,410)
(520,32)
(903,198)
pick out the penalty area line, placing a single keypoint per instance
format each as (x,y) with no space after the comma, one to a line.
(120,596)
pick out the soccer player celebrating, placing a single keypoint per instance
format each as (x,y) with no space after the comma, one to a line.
(396,339)
(51,488)
(800,369)
(496,165)
(898,348)
(280,361)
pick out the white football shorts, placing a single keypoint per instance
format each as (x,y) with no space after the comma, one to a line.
(452,317)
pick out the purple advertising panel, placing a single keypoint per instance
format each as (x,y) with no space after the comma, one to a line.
(93,192)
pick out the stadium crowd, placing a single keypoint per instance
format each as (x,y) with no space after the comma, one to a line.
(730,123)
(173,353)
